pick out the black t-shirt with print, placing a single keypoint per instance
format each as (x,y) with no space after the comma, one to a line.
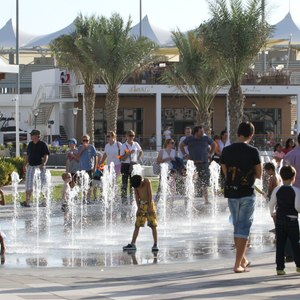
(240,160)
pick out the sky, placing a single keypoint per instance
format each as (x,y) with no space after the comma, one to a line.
(44,16)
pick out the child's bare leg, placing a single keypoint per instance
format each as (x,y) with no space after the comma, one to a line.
(95,193)
(154,233)
(2,245)
(2,200)
(28,196)
(135,235)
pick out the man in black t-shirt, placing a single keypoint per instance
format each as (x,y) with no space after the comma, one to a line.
(37,157)
(241,165)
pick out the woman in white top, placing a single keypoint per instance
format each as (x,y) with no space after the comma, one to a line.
(112,152)
(167,154)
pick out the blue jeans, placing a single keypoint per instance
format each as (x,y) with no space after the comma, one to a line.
(242,210)
(286,227)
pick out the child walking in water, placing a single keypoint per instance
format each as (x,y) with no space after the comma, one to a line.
(66,195)
(146,210)
(286,200)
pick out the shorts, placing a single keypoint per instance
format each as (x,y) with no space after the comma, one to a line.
(203,174)
(30,177)
(242,210)
(145,216)
(97,183)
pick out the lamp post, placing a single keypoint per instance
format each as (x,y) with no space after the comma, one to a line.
(17,118)
(140,18)
(35,113)
(75,113)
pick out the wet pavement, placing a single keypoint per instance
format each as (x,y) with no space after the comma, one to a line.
(96,240)
(194,262)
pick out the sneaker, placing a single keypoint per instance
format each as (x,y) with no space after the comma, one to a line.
(281,272)
(25,204)
(43,204)
(129,247)
(298,270)
(155,248)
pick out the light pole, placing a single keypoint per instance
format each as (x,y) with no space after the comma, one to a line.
(140,18)
(17,119)
(75,113)
(35,113)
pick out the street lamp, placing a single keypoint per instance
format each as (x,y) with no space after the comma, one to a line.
(35,113)
(141,18)
(75,113)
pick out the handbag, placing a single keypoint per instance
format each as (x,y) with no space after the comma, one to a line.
(156,168)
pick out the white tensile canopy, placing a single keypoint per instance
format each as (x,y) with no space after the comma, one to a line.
(6,68)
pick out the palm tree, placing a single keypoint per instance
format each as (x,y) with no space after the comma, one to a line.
(115,55)
(195,75)
(234,35)
(68,53)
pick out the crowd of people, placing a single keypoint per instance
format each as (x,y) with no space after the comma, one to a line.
(240,167)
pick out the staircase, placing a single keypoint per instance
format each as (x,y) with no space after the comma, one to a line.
(44,112)
(63,136)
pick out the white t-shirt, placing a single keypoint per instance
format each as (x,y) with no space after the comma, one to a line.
(167,134)
(134,156)
(112,151)
(166,155)
(185,147)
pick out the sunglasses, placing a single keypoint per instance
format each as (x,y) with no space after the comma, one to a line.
(85,140)
(108,136)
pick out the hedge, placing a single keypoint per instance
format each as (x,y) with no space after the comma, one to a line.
(7,166)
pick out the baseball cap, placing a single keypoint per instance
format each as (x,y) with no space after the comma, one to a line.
(35,132)
(72,141)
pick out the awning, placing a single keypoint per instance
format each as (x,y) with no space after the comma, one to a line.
(6,68)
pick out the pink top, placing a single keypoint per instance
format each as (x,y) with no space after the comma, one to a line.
(279,155)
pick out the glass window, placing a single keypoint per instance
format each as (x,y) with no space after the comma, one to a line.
(178,118)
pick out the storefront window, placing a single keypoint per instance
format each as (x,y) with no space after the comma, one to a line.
(178,119)
(128,119)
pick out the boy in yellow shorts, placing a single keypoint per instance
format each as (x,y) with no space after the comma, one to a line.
(145,212)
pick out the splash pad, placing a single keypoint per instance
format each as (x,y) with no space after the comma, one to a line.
(188,230)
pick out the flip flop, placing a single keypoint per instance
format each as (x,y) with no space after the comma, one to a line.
(242,270)
(247,265)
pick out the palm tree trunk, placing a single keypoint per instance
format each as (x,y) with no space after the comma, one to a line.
(89,109)
(235,108)
(204,118)
(111,108)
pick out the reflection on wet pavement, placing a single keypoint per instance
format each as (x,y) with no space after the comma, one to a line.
(100,243)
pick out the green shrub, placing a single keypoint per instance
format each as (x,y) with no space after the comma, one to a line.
(6,168)
(18,163)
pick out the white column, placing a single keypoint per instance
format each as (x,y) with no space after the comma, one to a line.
(158,120)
